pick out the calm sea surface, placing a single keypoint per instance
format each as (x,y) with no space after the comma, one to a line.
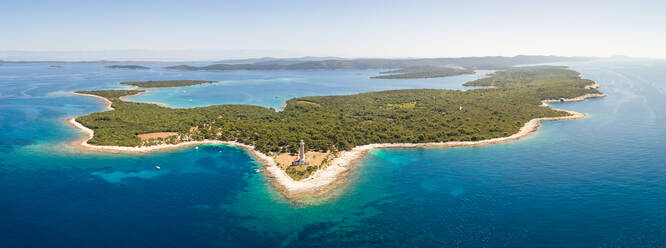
(594,182)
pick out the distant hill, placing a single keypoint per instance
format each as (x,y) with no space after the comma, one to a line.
(488,63)
(127,67)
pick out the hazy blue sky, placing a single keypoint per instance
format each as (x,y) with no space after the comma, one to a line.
(341,28)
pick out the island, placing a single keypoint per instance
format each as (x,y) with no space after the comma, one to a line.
(423,72)
(56,67)
(402,68)
(127,67)
(337,130)
(167,83)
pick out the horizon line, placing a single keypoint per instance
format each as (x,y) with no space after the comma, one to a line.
(162,60)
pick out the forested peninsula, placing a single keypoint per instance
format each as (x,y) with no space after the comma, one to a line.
(337,129)
(342,122)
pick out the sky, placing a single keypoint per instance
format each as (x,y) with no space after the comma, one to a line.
(236,29)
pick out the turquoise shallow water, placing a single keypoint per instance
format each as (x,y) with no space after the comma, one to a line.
(272,89)
(594,182)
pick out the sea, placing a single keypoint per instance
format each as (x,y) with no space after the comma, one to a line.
(593,182)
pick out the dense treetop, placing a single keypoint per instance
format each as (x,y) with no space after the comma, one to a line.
(342,122)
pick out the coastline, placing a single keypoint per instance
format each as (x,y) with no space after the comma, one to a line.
(324,179)
(107,105)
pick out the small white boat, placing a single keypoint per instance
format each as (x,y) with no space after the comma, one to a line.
(196,148)
(158,167)
(257,170)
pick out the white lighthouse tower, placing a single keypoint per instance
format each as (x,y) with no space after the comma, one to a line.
(301,155)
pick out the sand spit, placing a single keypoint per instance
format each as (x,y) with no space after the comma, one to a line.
(592,86)
(575,99)
(108,103)
(324,179)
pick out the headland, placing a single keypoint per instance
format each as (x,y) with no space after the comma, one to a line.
(328,174)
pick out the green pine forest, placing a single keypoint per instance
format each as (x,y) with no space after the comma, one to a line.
(334,123)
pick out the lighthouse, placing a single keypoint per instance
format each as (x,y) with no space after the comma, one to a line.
(301,155)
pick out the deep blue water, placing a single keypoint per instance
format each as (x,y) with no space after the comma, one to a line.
(594,182)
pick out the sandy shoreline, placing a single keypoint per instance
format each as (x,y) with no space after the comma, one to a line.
(106,101)
(323,179)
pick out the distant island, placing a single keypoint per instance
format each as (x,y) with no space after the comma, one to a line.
(166,83)
(338,128)
(79,62)
(56,67)
(405,68)
(490,63)
(127,67)
(271,60)
(423,72)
